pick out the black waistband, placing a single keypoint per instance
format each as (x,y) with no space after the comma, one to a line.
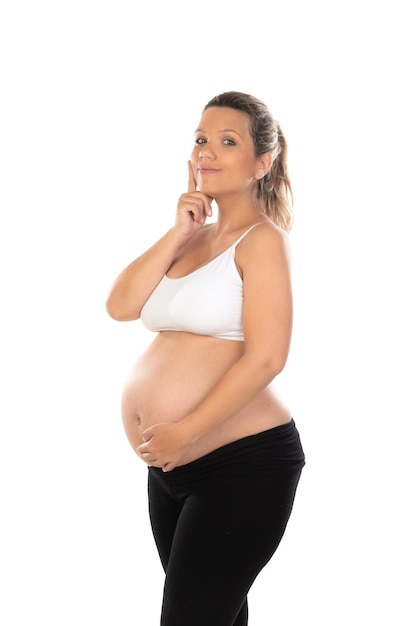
(275,448)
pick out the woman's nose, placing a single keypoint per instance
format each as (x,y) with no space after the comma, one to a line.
(206,152)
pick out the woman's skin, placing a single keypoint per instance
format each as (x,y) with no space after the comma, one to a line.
(189,394)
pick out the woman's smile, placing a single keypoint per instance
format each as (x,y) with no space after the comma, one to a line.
(207,170)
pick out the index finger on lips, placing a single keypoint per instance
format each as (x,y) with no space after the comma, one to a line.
(191,185)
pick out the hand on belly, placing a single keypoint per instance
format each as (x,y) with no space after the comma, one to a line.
(164,445)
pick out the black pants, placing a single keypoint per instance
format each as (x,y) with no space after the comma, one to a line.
(218,520)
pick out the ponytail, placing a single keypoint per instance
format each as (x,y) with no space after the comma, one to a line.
(274,191)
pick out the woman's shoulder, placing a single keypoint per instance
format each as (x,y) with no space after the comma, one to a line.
(264,240)
(266,232)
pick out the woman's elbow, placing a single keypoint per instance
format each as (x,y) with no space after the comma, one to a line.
(272,362)
(118,312)
(275,365)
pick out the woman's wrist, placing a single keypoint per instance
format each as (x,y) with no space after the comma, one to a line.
(189,429)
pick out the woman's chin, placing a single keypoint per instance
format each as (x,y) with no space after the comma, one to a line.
(208,190)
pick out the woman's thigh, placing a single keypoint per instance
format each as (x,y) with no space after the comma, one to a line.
(224,536)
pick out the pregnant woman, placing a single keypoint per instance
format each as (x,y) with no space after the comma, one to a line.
(200,409)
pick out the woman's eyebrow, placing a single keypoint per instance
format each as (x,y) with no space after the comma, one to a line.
(222,130)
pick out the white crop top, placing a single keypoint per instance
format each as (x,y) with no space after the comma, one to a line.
(208,301)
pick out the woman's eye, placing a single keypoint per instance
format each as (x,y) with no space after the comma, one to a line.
(229,142)
(200,141)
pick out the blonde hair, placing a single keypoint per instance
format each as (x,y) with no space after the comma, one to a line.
(274,190)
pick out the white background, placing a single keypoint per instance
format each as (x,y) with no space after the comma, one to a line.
(99,101)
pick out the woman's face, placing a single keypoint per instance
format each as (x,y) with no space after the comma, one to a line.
(223,157)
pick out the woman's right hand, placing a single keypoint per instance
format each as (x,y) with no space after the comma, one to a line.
(193,207)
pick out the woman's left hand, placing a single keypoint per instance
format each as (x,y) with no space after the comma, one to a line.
(164,445)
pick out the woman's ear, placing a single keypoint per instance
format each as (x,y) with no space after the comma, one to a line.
(265,161)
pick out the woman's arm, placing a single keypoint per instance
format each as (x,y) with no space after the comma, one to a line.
(263,258)
(137,281)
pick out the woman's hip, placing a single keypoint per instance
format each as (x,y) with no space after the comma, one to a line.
(259,455)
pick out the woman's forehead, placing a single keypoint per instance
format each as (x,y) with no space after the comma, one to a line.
(223,118)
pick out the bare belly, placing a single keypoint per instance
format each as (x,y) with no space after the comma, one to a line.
(171,378)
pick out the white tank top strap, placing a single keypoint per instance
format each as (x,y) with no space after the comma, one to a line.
(246,233)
